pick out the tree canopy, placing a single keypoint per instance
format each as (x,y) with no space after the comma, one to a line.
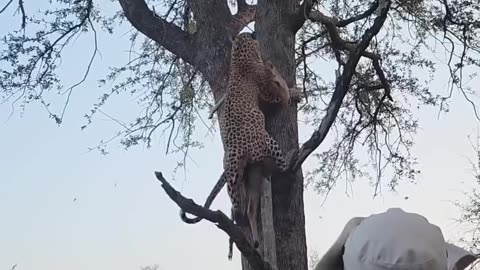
(364,68)
(399,64)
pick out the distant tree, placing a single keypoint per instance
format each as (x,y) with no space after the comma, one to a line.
(471,208)
(363,66)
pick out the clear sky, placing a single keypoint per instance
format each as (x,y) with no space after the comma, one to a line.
(62,207)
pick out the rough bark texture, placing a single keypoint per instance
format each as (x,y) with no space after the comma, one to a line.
(278,46)
(286,191)
(268,246)
(209,51)
(222,222)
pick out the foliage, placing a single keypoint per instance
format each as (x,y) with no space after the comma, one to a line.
(471,209)
(174,93)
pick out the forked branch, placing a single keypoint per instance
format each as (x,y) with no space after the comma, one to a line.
(166,34)
(343,81)
(219,219)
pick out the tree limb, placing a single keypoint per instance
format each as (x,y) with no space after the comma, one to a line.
(216,106)
(6,6)
(343,82)
(301,14)
(331,25)
(306,8)
(22,10)
(166,34)
(222,222)
(361,16)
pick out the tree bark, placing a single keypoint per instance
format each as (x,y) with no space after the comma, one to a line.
(209,51)
(277,40)
(285,194)
(267,228)
(255,172)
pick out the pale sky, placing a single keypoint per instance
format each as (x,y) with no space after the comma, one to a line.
(121,218)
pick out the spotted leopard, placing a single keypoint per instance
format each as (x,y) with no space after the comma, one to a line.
(244,137)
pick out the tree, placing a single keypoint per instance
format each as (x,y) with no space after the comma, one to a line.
(180,55)
(470,210)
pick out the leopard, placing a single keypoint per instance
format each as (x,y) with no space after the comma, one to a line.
(276,90)
(245,138)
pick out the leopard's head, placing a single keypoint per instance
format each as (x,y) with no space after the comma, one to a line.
(245,50)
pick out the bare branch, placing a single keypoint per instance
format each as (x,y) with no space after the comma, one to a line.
(301,15)
(166,34)
(22,10)
(216,106)
(359,17)
(306,8)
(87,71)
(6,6)
(222,222)
(383,79)
(342,86)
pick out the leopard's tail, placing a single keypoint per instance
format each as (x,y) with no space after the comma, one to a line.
(216,189)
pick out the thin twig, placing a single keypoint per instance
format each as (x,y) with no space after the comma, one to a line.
(342,85)
(6,6)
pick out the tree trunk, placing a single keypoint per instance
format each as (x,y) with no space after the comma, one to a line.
(277,41)
(267,228)
(265,222)
(209,51)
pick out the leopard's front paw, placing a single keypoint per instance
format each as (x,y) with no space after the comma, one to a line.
(296,94)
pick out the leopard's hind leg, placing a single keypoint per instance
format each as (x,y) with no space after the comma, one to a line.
(254,178)
(273,150)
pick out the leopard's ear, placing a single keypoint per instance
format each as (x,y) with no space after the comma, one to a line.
(232,39)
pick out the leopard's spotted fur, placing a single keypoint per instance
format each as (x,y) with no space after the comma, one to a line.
(242,120)
(243,123)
